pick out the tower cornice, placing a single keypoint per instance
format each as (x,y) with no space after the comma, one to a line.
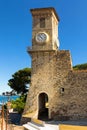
(46,11)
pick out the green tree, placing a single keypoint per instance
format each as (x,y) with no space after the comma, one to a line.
(19,104)
(20,81)
(80,67)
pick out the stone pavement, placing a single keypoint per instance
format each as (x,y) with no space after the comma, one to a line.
(77,122)
(72,127)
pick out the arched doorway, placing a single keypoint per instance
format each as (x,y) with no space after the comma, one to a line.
(43,106)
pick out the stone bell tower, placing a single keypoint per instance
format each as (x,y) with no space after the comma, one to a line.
(46,58)
(45,29)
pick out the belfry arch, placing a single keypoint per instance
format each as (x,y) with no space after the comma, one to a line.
(43,106)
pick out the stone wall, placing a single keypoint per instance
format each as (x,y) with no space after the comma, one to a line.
(72,103)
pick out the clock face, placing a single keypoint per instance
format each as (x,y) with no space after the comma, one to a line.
(41,37)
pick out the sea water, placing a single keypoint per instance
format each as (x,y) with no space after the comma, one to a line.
(4,99)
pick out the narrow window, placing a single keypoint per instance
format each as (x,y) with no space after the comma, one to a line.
(42,22)
(61,90)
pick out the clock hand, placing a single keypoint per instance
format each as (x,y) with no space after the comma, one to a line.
(41,37)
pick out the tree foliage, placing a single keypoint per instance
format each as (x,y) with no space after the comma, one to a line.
(19,104)
(20,81)
(80,67)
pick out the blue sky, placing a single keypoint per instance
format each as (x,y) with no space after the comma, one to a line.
(16,33)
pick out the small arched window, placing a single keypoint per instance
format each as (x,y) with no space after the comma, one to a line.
(42,22)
